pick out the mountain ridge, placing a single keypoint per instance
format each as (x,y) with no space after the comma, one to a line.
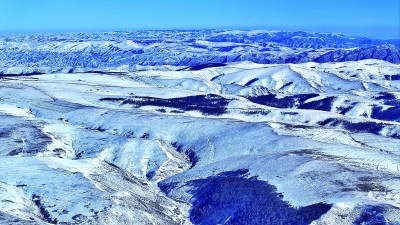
(187,48)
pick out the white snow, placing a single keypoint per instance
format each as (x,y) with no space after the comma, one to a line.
(104,157)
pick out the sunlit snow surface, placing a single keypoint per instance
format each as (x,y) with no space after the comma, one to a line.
(242,143)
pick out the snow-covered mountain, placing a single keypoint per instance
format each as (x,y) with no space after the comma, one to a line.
(213,143)
(187,48)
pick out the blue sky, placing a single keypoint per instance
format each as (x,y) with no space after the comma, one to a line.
(373,18)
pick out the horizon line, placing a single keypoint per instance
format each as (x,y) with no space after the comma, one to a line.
(73,31)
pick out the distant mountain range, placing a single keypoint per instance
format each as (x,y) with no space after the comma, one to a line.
(187,48)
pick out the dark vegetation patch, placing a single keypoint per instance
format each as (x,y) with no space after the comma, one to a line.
(161,110)
(103,72)
(234,198)
(4,133)
(15,152)
(150,174)
(207,104)
(23,139)
(145,136)
(385,96)
(366,127)
(152,167)
(322,104)
(392,77)
(389,114)
(79,218)
(5,75)
(286,85)
(282,102)
(344,109)
(388,99)
(203,66)
(371,186)
(251,81)
(298,101)
(290,113)
(190,153)
(372,215)
(256,112)
(100,129)
(113,99)
(45,214)
(216,77)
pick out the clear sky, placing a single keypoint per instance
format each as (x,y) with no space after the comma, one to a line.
(373,18)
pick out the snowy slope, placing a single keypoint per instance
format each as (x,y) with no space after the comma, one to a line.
(217,144)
